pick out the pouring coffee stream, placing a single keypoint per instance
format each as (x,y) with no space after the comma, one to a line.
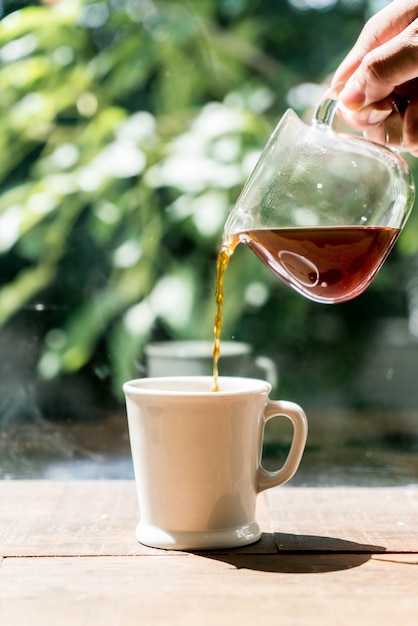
(222,261)
(321,209)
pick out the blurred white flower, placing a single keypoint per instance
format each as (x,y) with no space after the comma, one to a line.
(189,143)
(64,156)
(182,207)
(138,127)
(32,104)
(94,15)
(63,55)
(250,161)
(209,212)
(304,5)
(10,222)
(56,339)
(261,99)
(304,95)
(139,318)
(256,294)
(18,48)
(60,184)
(41,203)
(49,365)
(87,104)
(226,149)
(172,300)
(127,255)
(216,119)
(192,173)
(120,159)
(107,212)
(206,155)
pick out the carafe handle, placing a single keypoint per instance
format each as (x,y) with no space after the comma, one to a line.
(327,106)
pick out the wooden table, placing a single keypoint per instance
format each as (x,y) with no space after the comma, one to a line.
(337,556)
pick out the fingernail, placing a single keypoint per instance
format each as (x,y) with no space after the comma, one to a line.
(352,96)
(377,116)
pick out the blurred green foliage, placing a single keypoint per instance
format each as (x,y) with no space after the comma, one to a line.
(128,128)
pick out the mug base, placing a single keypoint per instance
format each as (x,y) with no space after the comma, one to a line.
(218,539)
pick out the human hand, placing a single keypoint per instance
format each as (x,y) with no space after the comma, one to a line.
(381,76)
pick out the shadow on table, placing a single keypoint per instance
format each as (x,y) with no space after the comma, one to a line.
(300,554)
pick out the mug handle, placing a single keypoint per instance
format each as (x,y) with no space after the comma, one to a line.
(276,408)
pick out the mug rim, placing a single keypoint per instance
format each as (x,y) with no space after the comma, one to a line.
(199,386)
(194,348)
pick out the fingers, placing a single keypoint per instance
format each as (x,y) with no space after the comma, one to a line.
(382,70)
(383,123)
(389,133)
(369,116)
(398,128)
(380,73)
(381,28)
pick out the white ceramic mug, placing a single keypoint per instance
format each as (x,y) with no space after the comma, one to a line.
(196,456)
(195,358)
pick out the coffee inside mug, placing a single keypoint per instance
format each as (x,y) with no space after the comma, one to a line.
(200,385)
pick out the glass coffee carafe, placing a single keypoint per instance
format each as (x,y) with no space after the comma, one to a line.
(322,209)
